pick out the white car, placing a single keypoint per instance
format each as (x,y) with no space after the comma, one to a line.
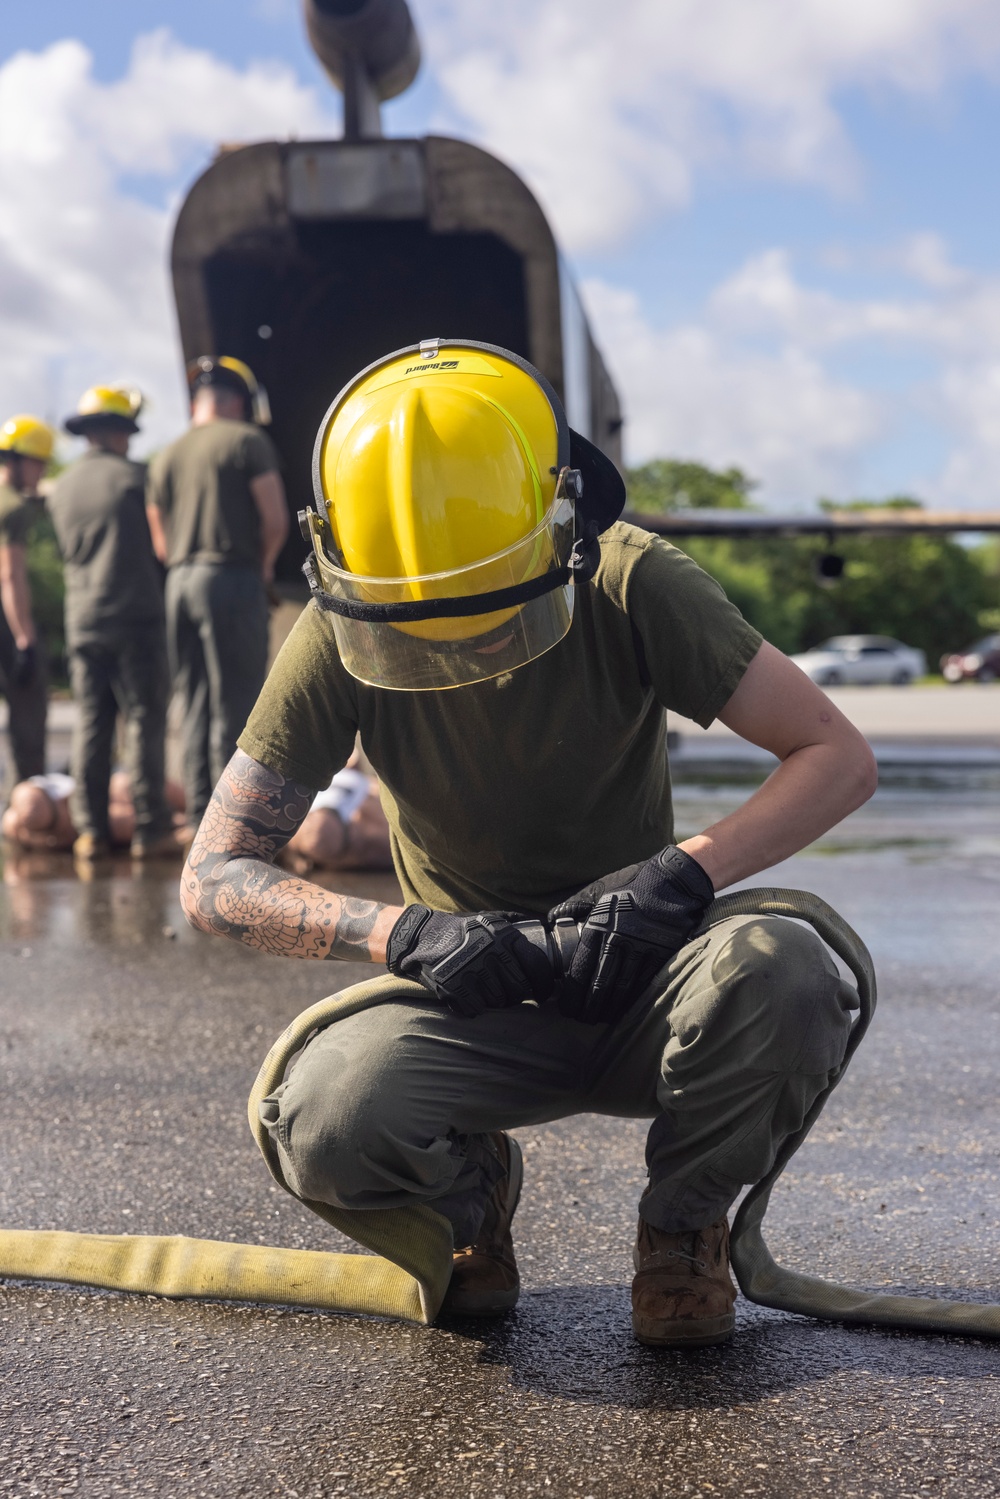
(857,659)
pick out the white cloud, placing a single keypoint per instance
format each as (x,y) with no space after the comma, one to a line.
(174,97)
(764,297)
(955,312)
(925,258)
(970,397)
(84,287)
(691,392)
(611,110)
(747,384)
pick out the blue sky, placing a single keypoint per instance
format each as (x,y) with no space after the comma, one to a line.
(782,216)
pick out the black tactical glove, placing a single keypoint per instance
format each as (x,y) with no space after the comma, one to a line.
(471,963)
(24,663)
(633,921)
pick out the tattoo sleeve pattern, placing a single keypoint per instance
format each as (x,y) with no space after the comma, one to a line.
(231,887)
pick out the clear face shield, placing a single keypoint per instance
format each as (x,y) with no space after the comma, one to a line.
(411,634)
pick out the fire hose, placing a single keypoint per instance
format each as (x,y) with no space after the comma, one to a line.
(407,1273)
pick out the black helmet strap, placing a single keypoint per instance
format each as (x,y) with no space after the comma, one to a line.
(598,495)
(580,568)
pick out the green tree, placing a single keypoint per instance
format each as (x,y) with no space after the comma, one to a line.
(928,591)
(987,554)
(670,484)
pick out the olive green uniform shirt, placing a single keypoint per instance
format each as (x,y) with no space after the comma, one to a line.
(512,793)
(201,486)
(15,517)
(98,509)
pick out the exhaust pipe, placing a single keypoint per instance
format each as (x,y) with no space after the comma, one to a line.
(369,50)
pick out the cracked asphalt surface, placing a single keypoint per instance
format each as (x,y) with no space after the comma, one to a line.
(129,1045)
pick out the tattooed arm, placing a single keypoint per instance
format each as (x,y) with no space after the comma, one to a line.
(231,887)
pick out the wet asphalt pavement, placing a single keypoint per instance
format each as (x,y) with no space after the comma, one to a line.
(129,1045)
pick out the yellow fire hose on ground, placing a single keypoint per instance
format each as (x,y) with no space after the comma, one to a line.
(408,1273)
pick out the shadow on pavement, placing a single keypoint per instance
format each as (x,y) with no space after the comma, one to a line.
(575,1343)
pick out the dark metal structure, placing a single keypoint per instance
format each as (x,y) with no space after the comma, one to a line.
(370,51)
(749,523)
(309,259)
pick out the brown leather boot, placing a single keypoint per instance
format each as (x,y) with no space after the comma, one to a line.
(484,1280)
(88,846)
(683,1294)
(171,845)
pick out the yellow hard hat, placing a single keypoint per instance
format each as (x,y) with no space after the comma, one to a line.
(231,374)
(106,406)
(446,536)
(27,437)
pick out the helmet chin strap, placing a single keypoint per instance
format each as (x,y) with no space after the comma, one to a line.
(581,567)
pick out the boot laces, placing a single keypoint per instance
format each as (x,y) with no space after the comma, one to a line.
(678,1254)
(699,1261)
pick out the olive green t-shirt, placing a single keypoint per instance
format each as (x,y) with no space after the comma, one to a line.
(201,486)
(512,793)
(98,508)
(15,518)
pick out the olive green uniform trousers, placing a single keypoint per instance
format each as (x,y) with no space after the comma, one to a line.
(217,624)
(120,669)
(725,1055)
(27,709)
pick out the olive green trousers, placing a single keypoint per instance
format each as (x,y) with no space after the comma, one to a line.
(726,1054)
(217,624)
(120,669)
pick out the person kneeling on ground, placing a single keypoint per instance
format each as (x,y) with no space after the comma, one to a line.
(345,828)
(537,785)
(39,814)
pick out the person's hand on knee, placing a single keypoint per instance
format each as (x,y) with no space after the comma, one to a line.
(471,963)
(632,924)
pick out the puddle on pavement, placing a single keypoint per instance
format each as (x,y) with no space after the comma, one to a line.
(914,823)
(877,867)
(53,898)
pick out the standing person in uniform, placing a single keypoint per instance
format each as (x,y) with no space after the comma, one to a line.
(219,519)
(115,628)
(467,540)
(25,448)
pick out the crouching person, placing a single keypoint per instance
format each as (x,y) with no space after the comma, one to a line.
(536,784)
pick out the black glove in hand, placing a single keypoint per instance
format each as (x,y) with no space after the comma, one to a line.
(23,665)
(471,963)
(633,922)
